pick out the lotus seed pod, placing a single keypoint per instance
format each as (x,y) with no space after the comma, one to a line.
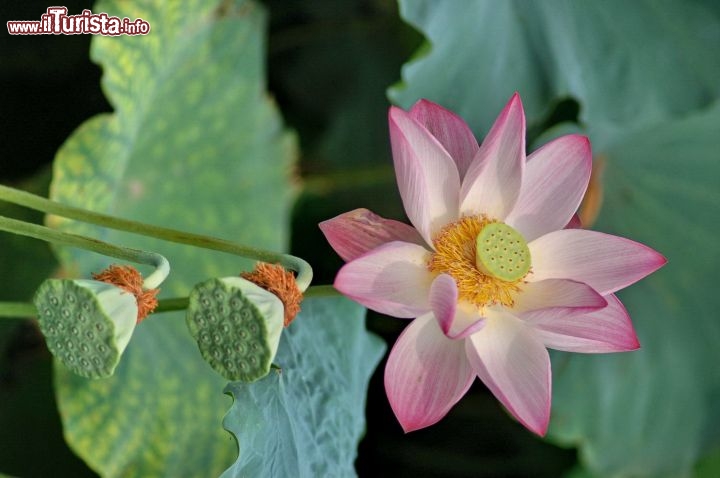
(237,326)
(87,324)
(502,252)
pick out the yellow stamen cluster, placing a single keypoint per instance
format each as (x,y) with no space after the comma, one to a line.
(455,250)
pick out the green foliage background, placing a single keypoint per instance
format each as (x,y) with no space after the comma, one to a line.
(195,141)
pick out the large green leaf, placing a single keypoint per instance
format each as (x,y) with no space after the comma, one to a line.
(306,419)
(194,143)
(654,412)
(629,63)
(642,77)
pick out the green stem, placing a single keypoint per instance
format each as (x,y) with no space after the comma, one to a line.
(322,291)
(48,206)
(36,231)
(17,310)
(21,310)
(170,305)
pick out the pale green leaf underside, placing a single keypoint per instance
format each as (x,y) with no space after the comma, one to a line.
(628,63)
(194,143)
(306,420)
(654,412)
(642,76)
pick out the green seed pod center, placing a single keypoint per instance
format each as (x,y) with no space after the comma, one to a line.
(502,252)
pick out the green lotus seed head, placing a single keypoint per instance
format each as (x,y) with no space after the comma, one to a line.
(87,324)
(237,326)
(502,252)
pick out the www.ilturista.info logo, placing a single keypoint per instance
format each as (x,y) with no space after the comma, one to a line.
(57,22)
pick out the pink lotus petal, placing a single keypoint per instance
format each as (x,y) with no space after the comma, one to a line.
(515,366)
(356,232)
(466,322)
(604,262)
(443,300)
(451,130)
(426,374)
(557,293)
(605,330)
(493,180)
(427,177)
(457,320)
(574,222)
(555,179)
(392,279)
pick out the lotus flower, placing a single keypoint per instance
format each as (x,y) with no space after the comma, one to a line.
(492,272)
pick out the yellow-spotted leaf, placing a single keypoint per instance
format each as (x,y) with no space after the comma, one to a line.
(195,143)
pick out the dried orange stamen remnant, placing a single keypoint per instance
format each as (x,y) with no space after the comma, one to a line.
(275,279)
(455,250)
(592,202)
(130,280)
